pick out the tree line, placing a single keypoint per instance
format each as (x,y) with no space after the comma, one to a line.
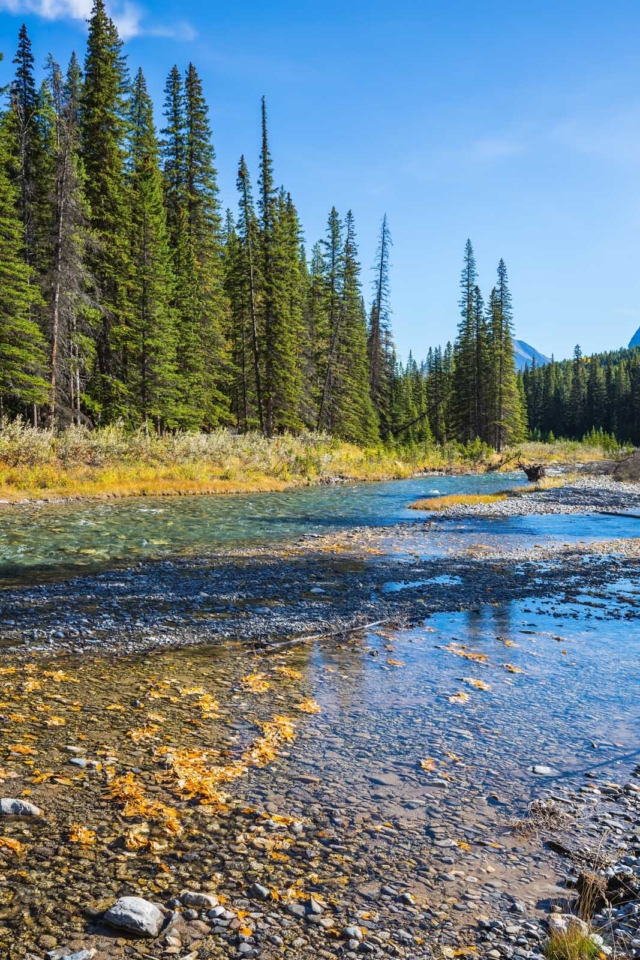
(128,295)
(596,396)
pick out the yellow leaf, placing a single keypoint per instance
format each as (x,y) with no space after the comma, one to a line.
(395,663)
(14,845)
(429,764)
(80,834)
(511,668)
(256,682)
(21,749)
(478,684)
(459,698)
(308,706)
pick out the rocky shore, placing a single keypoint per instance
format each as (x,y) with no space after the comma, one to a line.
(344,862)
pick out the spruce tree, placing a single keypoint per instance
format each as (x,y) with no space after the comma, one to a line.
(249,250)
(354,416)
(67,284)
(203,369)
(379,328)
(470,355)
(151,337)
(24,110)
(22,347)
(267,210)
(504,404)
(104,127)
(330,316)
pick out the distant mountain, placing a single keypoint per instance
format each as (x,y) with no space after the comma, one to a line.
(635,339)
(525,355)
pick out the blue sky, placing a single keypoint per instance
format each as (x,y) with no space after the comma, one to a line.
(517,125)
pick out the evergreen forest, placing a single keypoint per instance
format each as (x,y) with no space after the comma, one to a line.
(129,294)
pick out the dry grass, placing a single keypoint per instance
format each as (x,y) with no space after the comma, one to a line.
(112,462)
(39,464)
(457,500)
(574,944)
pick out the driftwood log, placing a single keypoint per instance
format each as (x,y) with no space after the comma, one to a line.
(534,471)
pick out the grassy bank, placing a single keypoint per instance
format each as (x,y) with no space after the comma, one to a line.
(437,504)
(110,462)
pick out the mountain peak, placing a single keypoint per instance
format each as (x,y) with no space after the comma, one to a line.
(525,355)
(635,339)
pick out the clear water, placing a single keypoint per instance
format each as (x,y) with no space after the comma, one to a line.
(39,541)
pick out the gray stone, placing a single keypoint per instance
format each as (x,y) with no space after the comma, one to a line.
(18,808)
(352,933)
(203,900)
(135,915)
(258,892)
(562,923)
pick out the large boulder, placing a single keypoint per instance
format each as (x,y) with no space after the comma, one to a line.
(628,469)
(135,915)
(18,808)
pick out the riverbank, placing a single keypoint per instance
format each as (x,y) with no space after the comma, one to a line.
(569,495)
(42,466)
(196,735)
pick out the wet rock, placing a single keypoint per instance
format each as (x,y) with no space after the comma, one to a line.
(541,770)
(135,915)
(258,892)
(18,808)
(352,933)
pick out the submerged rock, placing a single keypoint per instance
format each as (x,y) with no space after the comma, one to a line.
(136,916)
(19,808)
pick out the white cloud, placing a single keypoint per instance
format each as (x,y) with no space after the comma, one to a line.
(129,18)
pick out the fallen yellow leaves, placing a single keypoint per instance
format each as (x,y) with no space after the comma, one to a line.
(255,682)
(395,663)
(81,835)
(55,722)
(289,672)
(128,794)
(477,684)
(143,733)
(461,651)
(22,750)
(429,764)
(511,668)
(14,845)
(459,697)
(59,676)
(308,706)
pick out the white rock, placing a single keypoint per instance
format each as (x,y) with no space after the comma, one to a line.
(203,900)
(136,916)
(19,808)
(562,923)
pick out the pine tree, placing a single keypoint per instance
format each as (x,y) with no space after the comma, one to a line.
(67,283)
(151,338)
(22,347)
(379,330)
(354,418)
(505,409)
(249,263)
(267,210)
(330,314)
(202,307)
(287,331)
(104,127)
(470,356)
(24,110)
(173,148)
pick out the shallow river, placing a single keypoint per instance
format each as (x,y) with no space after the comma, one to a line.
(390,758)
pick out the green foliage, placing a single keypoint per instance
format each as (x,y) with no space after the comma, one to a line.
(22,348)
